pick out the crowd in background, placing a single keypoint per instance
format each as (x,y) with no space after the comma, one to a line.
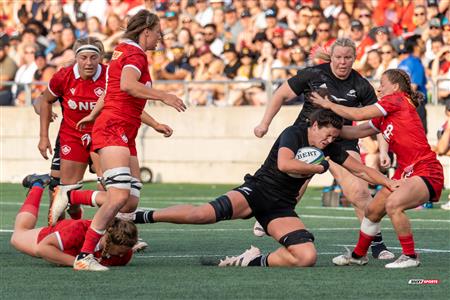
(220,40)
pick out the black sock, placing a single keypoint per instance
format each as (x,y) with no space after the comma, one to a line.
(377,245)
(82,255)
(259,261)
(356,256)
(412,256)
(142,217)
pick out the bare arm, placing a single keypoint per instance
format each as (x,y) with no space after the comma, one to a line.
(45,116)
(357,132)
(158,127)
(288,164)
(282,94)
(442,146)
(93,114)
(368,174)
(49,250)
(129,83)
(383,146)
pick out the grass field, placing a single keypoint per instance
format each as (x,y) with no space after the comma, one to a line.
(174,266)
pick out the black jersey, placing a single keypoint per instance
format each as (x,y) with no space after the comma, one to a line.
(281,184)
(355,91)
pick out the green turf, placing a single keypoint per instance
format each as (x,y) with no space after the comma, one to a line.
(178,263)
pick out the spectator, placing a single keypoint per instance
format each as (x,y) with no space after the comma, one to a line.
(64,55)
(440,72)
(388,59)
(415,48)
(258,15)
(219,21)
(420,21)
(185,38)
(342,25)
(443,145)
(434,32)
(285,14)
(266,62)
(373,62)
(81,30)
(232,25)
(304,41)
(212,40)
(204,13)
(25,73)
(113,32)
(303,23)
(298,58)
(271,22)
(55,39)
(232,62)
(171,21)
(9,68)
(94,28)
(245,37)
(364,15)
(278,38)
(43,74)
(118,8)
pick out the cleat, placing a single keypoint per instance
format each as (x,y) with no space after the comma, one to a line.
(88,263)
(242,260)
(29,180)
(140,246)
(385,255)
(403,261)
(446,206)
(258,230)
(59,204)
(347,259)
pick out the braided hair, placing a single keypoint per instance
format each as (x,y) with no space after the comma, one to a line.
(400,77)
(120,233)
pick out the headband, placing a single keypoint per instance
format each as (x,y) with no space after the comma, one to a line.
(88,48)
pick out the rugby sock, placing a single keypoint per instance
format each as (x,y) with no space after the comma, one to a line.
(142,217)
(82,197)
(33,200)
(260,261)
(366,234)
(377,245)
(91,240)
(407,243)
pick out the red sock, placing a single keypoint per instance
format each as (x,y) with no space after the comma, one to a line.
(363,244)
(81,197)
(33,200)
(407,243)
(91,240)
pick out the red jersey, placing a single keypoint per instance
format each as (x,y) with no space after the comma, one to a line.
(120,104)
(78,96)
(71,234)
(402,129)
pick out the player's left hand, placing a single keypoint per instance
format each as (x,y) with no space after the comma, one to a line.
(392,185)
(385,160)
(175,102)
(318,100)
(164,129)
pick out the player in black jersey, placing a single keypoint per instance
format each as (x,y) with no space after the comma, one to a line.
(270,195)
(346,87)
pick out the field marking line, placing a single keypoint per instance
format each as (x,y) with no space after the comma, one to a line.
(424,250)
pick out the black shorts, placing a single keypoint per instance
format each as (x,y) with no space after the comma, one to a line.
(266,203)
(56,159)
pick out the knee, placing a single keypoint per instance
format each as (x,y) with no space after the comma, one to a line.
(371,214)
(392,207)
(359,194)
(14,241)
(303,258)
(118,198)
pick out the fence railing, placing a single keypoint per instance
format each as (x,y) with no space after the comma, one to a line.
(228,86)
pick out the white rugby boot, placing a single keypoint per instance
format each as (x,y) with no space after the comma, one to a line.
(347,259)
(241,260)
(88,263)
(258,230)
(404,261)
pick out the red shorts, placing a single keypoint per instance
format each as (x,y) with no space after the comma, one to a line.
(74,145)
(431,171)
(109,131)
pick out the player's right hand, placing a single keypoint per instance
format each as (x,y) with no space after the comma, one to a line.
(260,130)
(175,102)
(88,119)
(44,145)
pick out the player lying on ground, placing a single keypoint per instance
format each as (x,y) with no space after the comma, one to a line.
(419,173)
(270,194)
(60,244)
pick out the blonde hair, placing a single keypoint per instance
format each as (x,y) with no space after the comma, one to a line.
(139,22)
(324,55)
(89,41)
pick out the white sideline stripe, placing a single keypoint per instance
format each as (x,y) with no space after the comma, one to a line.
(417,249)
(354,218)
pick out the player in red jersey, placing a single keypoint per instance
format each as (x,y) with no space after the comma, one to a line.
(77,87)
(419,173)
(60,244)
(115,129)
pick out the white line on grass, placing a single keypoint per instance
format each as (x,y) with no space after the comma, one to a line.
(424,250)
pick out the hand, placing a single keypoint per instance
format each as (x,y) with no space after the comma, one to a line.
(318,100)
(164,129)
(385,160)
(53,117)
(82,123)
(325,164)
(43,146)
(392,185)
(175,102)
(260,130)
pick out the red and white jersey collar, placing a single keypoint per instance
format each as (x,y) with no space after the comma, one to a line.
(132,43)
(76,72)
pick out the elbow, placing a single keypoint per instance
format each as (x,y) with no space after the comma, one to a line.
(283,167)
(124,86)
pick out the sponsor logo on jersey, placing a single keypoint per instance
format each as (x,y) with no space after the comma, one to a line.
(65,149)
(124,138)
(116,54)
(72,104)
(387,133)
(98,91)
(351,93)
(323,86)
(72,90)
